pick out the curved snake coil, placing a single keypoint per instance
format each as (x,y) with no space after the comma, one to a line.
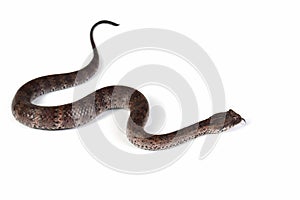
(112,97)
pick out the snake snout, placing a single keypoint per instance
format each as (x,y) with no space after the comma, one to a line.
(235,118)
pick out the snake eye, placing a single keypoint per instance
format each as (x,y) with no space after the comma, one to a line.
(236,118)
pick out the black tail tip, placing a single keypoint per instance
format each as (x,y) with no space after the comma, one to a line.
(106,22)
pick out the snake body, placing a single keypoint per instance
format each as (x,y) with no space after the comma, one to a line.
(108,98)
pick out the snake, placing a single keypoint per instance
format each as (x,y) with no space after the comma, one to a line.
(86,109)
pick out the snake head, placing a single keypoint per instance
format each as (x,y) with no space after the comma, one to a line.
(225,120)
(233,118)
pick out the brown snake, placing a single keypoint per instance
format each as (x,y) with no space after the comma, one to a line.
(112,97)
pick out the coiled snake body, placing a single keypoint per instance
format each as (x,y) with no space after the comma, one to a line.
(112,97)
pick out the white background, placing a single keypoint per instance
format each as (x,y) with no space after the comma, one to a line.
(255,46)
